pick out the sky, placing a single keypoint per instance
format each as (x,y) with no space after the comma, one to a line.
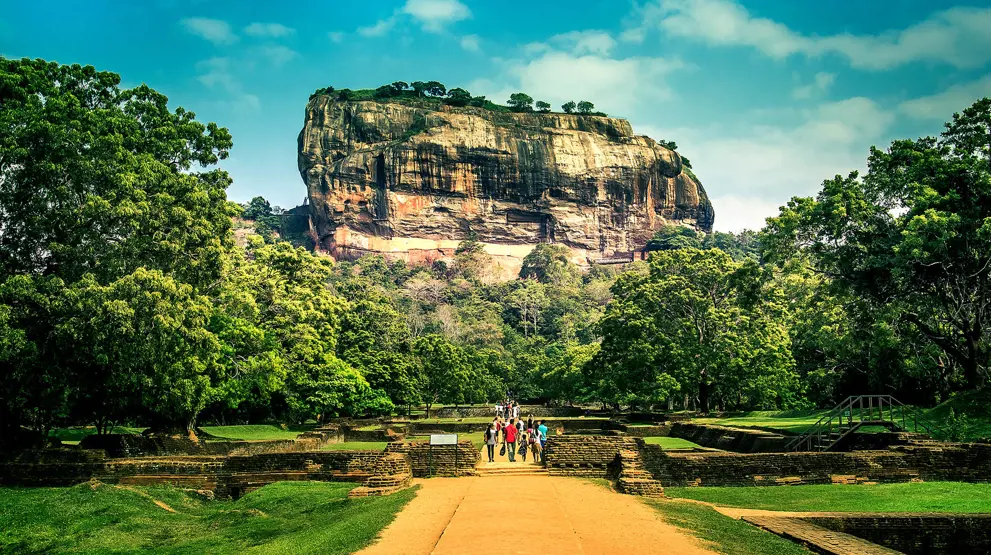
(768,98)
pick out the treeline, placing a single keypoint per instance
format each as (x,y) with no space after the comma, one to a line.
(436,91)
(124,297)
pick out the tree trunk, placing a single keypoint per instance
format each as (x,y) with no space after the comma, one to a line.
(703,396)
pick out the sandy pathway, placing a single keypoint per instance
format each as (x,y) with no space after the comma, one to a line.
(452,516)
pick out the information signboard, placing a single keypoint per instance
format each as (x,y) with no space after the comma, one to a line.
(443,439)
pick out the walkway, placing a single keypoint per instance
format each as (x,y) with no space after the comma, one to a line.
(497,515)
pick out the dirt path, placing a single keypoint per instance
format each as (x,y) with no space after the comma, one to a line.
(497,515)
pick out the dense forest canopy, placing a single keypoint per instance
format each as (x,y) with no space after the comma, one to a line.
(124,296)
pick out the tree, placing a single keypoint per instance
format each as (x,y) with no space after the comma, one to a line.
(113,191)
(521,102)
(458,97)
(434,88)
(543,106)
(585,107)
(345,95)
(445,369)
(685,327)
(911,236)
(399,86)
(478,101)
(257,208)
(419,88)
(529,299)
(550,264)
(569,107)
(674,237)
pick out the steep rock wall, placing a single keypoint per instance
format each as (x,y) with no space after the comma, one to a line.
(411,182)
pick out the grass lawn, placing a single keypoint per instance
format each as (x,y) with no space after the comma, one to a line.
(790,421)
(671,442)
(288,517)
(729,536)
(355,446)
(251,432)
(72,436)
(936,497)
(974,405)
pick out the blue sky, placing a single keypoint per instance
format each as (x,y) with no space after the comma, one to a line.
(767,98)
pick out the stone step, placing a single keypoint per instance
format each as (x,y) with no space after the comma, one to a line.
(528,470)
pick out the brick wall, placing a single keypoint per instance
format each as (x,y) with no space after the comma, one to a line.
(51,467)
(961,462)
(489,411)
(439,460)
(589,456)
(916,534)
(647,431)
(740,440)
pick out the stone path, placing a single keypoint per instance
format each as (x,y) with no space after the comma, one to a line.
(549,515)
(819,538)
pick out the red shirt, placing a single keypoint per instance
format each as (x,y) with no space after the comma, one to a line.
(511,434)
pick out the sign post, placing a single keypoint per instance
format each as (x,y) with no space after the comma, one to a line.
(442,439)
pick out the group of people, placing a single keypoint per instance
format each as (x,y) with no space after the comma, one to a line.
(516,437)
(507,410)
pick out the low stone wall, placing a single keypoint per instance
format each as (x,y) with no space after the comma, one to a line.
(740,440)
(438,460)
(536,411)
(646,431)
(226,475)
(956,462)
(565,425)
(916,534)
(588,456)
(137,445)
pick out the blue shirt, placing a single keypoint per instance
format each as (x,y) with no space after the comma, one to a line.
(543,431)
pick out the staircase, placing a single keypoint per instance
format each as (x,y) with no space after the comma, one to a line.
(634,479)
(518,468)
(854,413)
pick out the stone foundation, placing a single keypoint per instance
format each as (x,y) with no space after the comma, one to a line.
(586,456)
(954,462)
(438,460)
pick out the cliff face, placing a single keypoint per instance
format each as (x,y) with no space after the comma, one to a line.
(412,182)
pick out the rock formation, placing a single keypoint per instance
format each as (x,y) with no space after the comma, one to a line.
(412,181)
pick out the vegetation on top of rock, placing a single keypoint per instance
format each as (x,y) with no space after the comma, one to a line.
(433,93)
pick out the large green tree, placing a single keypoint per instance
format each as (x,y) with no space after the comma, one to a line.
(99,180)
(912,237)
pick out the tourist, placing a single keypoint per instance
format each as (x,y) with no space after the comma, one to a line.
(511,435)
(529,422)
(536,446)
(516,411)
(498,428)
(519,426)
(490,441)
(498,410)
(542,428)
(524,440)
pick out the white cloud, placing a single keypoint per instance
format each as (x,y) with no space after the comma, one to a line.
(471,43)
(735,213)
(957,36)
(277,54)
(434,15)
(214,30)
(586,42)
(216,74)
(335,36)
(820,84)
(379,29)
(954,99)
(759,167)
(556,77)
(268,30)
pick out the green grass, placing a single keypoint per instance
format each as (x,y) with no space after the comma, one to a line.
(288,517)
(788,421)
(671,442)
(355,446)
(75,434)
(727,535)
(936,497)
(974,405)
(251,432)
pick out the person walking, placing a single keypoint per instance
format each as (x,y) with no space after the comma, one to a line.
(511,435)
(490,441)
(524,440)
(516,411)
(529,422)
(542,428)
(536,446)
